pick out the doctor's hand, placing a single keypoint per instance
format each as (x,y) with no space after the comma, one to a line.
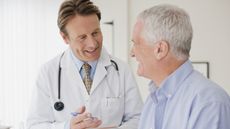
(84,120)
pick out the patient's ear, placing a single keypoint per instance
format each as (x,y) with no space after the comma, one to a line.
(161,50)
(64,37)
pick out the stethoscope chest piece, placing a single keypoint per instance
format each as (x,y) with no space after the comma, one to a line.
(59,106)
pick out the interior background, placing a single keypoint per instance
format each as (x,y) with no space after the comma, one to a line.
(29,37)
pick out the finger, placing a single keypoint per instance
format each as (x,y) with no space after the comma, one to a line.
(81,109)
(80,117)
(88,123)
(77,117)
(95,123)
(78,122)
(83,124)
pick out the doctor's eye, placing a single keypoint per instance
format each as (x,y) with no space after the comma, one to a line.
(81,38)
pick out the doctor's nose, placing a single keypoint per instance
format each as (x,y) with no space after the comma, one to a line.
(92,42)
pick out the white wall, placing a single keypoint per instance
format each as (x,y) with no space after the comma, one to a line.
(29,37)
(116,11)
(211,42)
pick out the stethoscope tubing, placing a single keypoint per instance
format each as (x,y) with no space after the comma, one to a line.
(59,105)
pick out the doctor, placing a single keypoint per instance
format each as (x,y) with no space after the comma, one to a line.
(98,89)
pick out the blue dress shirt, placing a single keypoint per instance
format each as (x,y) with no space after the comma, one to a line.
(78,63)
(186,100)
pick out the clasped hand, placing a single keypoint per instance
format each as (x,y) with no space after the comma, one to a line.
(84,120)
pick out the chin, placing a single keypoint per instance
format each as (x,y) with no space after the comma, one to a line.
(94,58)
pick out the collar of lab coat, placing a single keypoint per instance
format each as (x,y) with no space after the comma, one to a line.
(100,73)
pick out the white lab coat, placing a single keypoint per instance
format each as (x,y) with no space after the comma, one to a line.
(114,97)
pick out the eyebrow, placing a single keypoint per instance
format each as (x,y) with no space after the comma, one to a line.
(79,36)
(97,29)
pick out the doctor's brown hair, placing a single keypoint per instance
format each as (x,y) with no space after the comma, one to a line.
(71,8)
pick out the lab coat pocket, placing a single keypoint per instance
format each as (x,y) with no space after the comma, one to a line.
(111,110)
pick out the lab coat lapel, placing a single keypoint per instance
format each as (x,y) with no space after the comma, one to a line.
(101,71)
(73,76)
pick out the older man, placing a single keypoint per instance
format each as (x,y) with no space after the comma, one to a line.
(180,97)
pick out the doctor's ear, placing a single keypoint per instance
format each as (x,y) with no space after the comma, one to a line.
(161,50)
(64,37)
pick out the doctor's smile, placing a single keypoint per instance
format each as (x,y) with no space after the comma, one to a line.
(92,52)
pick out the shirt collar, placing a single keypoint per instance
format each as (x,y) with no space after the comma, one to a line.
(170,85)
(78,63)
(152,90)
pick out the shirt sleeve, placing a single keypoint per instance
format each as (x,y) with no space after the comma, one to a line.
(215,115)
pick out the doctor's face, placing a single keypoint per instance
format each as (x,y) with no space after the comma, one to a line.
(84,37)
(143,52)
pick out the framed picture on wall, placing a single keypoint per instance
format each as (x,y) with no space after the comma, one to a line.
(202,66)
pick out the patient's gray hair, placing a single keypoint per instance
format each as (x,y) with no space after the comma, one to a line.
(171,24)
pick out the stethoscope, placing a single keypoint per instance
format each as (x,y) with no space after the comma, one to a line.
(59,105)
